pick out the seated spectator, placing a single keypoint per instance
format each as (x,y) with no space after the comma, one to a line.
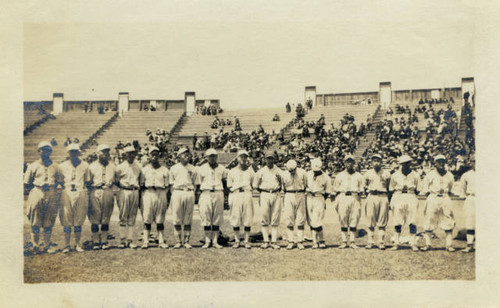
(276,117)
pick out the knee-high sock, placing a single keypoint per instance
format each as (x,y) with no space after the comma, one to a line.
(265,233)
(78,237)
(274,234)
(123,233)
(300,236)
(290,235)
(344,236)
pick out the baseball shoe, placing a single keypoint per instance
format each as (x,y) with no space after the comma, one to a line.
(394,248)
(51,250)
(122,245)
(66,249)
(353,246)
(300,246)
(216,245)
(315,246)
(370,246)
(187,246)
(381,247)
(450,249)
(467,249)
(132,246)
(415,248)
(105,246)
(236,245)
(265,245)
(248,246)
(144,245)
(79,248)
(343,246)
(163,245)
(206,245)
(177,245)
(96,247)
(290,246)
(275,246)
(426,248)
(322,245)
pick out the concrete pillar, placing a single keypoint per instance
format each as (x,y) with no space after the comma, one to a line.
(435,94)
(310,94)
(123,102)
(385,94)
(189,102)
(468,86)
(57,103)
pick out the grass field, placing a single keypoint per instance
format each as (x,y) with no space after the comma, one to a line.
(241,264)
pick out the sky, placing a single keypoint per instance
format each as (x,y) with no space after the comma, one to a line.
(252,60)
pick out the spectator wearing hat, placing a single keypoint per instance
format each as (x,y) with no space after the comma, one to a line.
(211,181)
(376,183)
(403,188)
(41,179)
(438,210)
(317,187)
(182,180)
(102,178)
(348,186)
(127,176)
(268,181)
(294,202)
(75,197)
(240,180)
(154,181)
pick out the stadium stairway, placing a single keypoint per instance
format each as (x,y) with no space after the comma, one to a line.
(67,124)
(132,126)
(378,116)
(33,120)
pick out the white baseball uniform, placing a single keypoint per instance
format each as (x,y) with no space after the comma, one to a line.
(211,201)
(404,200)
(101,196)
(294,202)
(348,188)
(468,186)
(240,199)
(127,175)
(182,179)
(269,183)
(75,197)
(377,203)
(154,198)
(316,187)
(438,206)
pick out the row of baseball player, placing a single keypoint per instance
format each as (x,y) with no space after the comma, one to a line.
(75,190)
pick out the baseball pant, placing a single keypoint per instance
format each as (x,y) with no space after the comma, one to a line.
(438,211)
(470,212)
(101,206)
(295,209)
(349,210)
(74,207)
(211,208)
(128,204)
(182,203)
(43,207)
(405,208)
(241,204)
(377,210)
(155,206)
(270,206)
(315,211)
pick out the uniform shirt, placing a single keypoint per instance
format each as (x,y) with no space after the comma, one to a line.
(468,183)
(128,174)
(101,175)
(158,178)
(399,181)
(38,174)
(209,178)
(182,177)
(75,177)
(378,181)
(346,182)
(434,183)
(319,184)
(298,181)
(238,178)
(267,178)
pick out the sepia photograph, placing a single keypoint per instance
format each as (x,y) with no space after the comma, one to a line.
(229,146)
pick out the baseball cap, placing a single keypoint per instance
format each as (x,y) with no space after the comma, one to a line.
(128,149)
(44,144)
(439,157)
(270,154)
(73,147)
(291,164)
(377,156)
(404,159)
(349,156)
(102,147)
(316,164)
(153,149)
(210,152)
(182,150)
(242,152)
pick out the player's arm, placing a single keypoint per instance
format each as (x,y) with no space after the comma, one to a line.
(29,177)
(87,178)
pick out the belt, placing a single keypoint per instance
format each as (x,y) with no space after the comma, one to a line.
(241,189)
(211,190)
(316,194)
(184,189)
(130,188)
(269,191)
(101,187)
(407,191)
(350,193)
(156,188)
(45,187)
(294,191)
(471,195)
(376,192)
(440,195)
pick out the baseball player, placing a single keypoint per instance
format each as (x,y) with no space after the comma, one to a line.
(376,182)
(468,187)
(239,180)
(102,177)
(75,197)
(155,182)
(211,178)
(41,179)
(348,186)
(127,176)
(182,180)
(438,207)
(268,182)
(294,186)
(404,202)
(317,187)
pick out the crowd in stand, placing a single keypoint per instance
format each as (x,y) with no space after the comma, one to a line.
(208,110)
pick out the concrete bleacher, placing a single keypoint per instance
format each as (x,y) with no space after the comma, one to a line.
(32,118)
(422,121)
(133,125)
(66,124)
